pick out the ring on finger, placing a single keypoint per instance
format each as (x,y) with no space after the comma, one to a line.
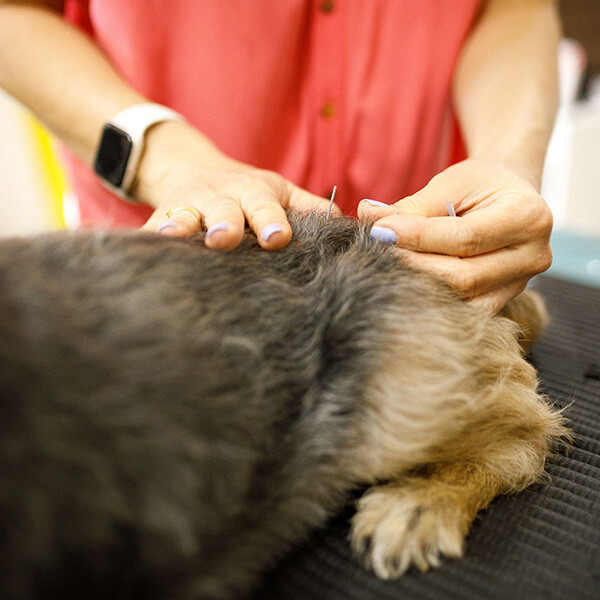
(189,209)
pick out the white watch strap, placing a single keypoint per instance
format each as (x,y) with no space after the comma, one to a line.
(135,121)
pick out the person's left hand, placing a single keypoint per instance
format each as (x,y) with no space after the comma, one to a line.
(498,241)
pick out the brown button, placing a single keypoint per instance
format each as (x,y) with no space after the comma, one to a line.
(328,110)
(326,6)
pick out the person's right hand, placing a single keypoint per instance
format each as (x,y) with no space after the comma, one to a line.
(181,168)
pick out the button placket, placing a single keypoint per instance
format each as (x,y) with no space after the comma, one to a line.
(327,54)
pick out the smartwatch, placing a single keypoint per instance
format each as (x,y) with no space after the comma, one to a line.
(122,143)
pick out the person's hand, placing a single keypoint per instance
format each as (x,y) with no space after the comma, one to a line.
(180,168)
(498,241)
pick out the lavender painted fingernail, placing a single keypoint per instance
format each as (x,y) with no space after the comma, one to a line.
(374,202)
(166,225)
(269,230)
(383,234)
(217,227)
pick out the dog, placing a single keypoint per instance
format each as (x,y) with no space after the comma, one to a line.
(174,419)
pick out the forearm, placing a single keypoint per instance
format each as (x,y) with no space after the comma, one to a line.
(506,84)
(63,77)
(59,74)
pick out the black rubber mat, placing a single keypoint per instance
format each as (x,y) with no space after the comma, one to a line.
(541,544)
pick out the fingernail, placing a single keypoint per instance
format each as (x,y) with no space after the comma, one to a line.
(374,202)
(383,234)
(166,225)
(217,227)
(269,230)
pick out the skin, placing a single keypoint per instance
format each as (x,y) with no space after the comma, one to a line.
(180,167)
(505,95)
(54,69)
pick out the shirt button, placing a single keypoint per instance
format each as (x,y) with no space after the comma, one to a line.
(328,110)
(326,6)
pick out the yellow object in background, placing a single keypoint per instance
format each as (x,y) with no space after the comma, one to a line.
(50,171)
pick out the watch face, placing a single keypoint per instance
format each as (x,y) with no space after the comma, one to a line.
(113,154)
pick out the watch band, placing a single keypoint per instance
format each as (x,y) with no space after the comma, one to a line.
(132,123)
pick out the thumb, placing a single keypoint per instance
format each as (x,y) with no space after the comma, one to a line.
(434,200)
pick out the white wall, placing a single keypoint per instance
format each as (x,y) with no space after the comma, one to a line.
(571,184)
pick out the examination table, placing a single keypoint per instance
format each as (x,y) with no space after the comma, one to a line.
(542,544)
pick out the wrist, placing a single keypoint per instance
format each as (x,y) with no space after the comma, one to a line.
(122,144)
(169,145)
(527,165)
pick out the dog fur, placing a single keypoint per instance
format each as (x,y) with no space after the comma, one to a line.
(174,418)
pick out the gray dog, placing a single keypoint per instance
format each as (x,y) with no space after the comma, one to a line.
(174,419)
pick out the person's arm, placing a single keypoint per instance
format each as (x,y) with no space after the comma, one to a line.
(506,84)
(61,75)
(505,95)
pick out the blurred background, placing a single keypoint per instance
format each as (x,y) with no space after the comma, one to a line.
(34,194)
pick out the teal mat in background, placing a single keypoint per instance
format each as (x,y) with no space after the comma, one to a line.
(576,258)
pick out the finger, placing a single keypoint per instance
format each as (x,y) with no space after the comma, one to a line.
(299,199)
(267,219)
(494,301)
(177,221)
(371,210)
(474,276)
(475,233)
(224,221)
(432,200)
(448,187)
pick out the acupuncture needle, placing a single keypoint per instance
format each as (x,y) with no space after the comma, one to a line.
(331,201)
(450,209)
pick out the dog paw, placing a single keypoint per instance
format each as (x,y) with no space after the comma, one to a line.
(396,527)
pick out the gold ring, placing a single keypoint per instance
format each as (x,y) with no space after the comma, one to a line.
(189,209)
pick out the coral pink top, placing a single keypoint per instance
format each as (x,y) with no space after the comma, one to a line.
(348,92)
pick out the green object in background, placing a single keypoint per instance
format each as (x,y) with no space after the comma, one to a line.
(576,257)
